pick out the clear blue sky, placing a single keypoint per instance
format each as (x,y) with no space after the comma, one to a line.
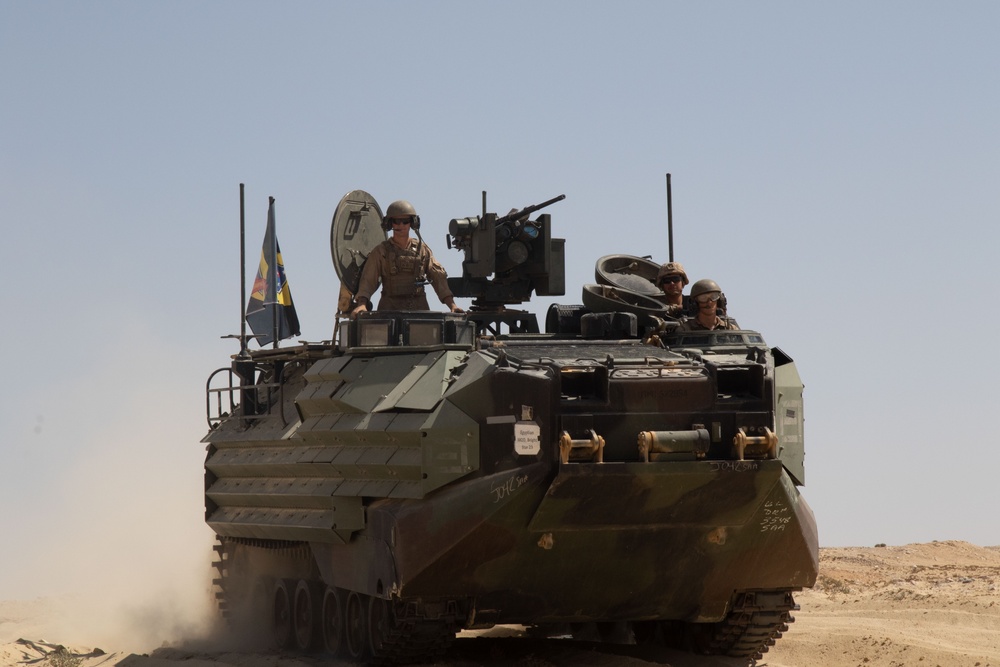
(835,167)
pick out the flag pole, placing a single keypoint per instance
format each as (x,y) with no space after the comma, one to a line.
(243,277)
(272,273)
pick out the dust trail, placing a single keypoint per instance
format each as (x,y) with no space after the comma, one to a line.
(105,543)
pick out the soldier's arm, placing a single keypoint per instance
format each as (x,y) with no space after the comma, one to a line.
(438,278)
(371,275)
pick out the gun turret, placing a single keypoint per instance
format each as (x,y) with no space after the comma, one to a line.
(507,258)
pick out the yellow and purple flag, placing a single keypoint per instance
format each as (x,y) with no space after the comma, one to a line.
(271,313)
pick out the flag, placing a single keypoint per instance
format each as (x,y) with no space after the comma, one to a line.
(271,313)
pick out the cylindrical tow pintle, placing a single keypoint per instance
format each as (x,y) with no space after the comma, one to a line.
(653,444)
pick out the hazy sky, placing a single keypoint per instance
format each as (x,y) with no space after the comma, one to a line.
(835,168)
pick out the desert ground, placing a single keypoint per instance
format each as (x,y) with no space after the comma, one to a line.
(935,604)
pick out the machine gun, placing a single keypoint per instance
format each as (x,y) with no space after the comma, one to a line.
(516,215)
(508,257)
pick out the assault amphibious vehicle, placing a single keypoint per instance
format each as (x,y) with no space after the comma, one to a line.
(428,472)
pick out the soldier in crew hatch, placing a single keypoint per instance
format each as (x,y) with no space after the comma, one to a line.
(672,280)
(402,265)
(709,299)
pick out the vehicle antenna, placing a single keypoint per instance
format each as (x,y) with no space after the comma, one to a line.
(670,220)
(243,278)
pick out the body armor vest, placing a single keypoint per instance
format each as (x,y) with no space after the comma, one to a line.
(407,272)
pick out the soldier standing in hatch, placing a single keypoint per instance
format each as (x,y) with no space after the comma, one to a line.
(707,295)
(402,265)
(672,279)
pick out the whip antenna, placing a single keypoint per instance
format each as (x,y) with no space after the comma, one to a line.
(670,220)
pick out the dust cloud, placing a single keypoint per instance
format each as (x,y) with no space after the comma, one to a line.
(105,541)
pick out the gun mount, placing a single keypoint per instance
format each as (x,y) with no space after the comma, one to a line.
(507,257)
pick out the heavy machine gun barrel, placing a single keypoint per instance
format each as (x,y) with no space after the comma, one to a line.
(528,210)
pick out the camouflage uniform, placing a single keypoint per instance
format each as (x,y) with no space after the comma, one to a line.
(399,271)
(692,324)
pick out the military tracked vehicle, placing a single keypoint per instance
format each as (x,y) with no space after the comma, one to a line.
(423,473)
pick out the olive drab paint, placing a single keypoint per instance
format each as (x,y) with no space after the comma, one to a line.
(427,472)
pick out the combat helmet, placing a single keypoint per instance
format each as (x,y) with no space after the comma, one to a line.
(400,209)
(669,269)
(704,286)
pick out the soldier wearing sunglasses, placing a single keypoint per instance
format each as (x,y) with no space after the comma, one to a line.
(672,279)
(403,265)
(707,296)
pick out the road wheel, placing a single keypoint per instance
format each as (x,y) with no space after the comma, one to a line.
(281,615)
(333,621)
(379,620)
(355,626)
(306,614)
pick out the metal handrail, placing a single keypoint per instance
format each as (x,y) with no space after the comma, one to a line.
(234,391)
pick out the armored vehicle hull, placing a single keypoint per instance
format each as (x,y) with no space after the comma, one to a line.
(375,496)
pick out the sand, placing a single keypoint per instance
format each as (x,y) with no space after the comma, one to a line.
(928,605)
